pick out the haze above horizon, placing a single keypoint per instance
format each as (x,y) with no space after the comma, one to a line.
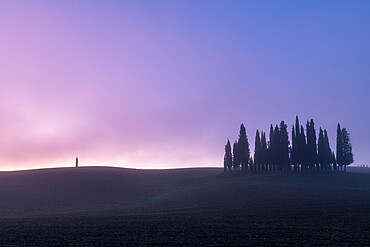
(163,84)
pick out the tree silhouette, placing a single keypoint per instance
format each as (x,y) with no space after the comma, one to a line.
(298,152)
(299,148)
(340,159)
(243,148)
(276,149)
(293,150)
(322,152)
(277,154)
(311,154)
(225,164)
(236,156)
(302,149)
(270,153)
(257,151)
(228,157)
(347,149)
(264,155)
(284,146)
(327,151)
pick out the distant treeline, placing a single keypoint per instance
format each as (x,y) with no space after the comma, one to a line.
(306,152)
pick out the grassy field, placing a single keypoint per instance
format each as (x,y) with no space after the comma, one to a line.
(184,207)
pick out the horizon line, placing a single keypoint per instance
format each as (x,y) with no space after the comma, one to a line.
(110,166)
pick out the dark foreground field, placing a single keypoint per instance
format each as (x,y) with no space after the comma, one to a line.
(185,207)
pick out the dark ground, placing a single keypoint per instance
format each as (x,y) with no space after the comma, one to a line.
(185,207)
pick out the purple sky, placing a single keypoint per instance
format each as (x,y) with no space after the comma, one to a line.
(156,84)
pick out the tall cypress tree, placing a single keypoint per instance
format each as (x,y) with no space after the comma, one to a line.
(302,149)
(243,146)
(236,156)
(347,149)
(257,151)
(297,151)
(321,152)
(263,150)
(284,146)
(228,157)
(311,144)
(297,126)
(300,145)
(270,149)
(276,148)
(293,151)
(340,160)
(328,152)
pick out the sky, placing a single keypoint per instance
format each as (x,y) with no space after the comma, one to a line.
(163,84)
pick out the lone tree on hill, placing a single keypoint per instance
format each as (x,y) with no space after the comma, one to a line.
(228,157)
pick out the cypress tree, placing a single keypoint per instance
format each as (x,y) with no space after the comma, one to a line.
(302,149)
(263,150)
(307,150)
(270,148)
(276,149)
(257,151)
(347,149)
(321,152)
(228,157)
(284,146)
(225,162)
(236,156)
(293,151)
(297,151)
(297,126)
(340,161)
(243,146)
(327,150)
(311,145)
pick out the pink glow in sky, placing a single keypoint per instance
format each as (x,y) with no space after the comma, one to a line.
(165,83)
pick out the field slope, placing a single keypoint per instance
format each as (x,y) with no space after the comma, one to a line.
(101,206)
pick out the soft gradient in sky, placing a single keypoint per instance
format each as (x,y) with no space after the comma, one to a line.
(156,84)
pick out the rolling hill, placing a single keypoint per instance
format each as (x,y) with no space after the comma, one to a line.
(103,206)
